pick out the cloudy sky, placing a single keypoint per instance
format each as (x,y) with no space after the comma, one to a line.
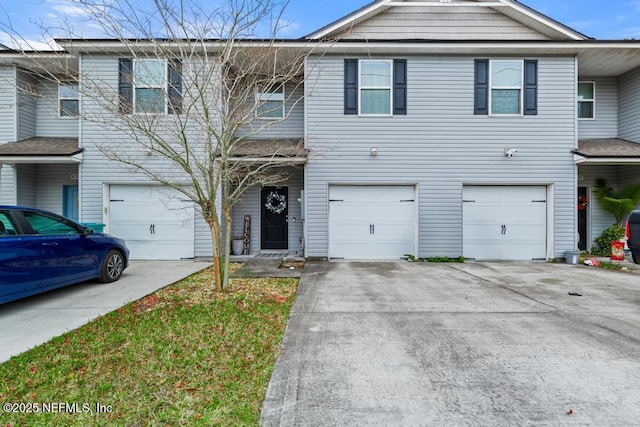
(602,19)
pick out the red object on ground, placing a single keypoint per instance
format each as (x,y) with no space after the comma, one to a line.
(617,251)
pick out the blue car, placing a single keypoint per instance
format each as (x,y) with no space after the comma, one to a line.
(40,251)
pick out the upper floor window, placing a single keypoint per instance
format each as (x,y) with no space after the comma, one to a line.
(506,87)
(586,100)
(270,102)
(375,87)
(68,100)
(150,85)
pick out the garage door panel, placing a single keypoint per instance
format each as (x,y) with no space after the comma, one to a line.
(156,223)
(508,223)
(371,222)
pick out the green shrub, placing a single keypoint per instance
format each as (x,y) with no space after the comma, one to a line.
(611,234)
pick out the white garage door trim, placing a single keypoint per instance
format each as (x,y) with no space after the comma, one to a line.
(505,222)
(156,222)
(372,221)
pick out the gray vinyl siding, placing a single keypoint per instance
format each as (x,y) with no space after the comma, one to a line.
(605,123)
(442,23)
(50,181)
(26,185)
(49,123)
(629,119)
(292,126)
(440,145)
(8,184)
(250,204)
(7,104)
(26,107)
(97,171)
(629,174)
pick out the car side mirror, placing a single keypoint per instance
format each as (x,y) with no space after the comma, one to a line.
(87,230)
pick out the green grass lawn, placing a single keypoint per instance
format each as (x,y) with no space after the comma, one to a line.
(182,356)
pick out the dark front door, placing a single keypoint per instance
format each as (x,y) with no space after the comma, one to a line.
(582,218)
(275,208)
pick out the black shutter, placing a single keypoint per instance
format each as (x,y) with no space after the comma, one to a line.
(174,86)
(399,86)
(350,86)
(530,87)
(125,85)
(481,93)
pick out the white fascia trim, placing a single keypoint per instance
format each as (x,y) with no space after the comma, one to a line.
(452,4)
(314,45)
(578,159)
(77,158)
(475,48)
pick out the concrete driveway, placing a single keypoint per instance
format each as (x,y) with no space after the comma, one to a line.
(32,321)
(382,344)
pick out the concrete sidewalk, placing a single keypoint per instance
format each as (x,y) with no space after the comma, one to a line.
(35,320)
(421,344)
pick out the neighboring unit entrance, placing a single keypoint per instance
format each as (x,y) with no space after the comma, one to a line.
(156,222)
(70,202)
(505,222)
(582,218)
(371,222)
(274,218)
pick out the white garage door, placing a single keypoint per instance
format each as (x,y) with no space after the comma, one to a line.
(505,223)
(371,222)
(156,222)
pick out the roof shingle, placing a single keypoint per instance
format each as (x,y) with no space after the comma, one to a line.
(607,148)
(41,146)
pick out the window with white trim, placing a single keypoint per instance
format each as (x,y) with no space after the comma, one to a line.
(149,85)
(68,100)
(506,87)
(586,100)
(270,102)
(376,79)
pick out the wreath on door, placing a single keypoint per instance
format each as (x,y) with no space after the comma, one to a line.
(276,202)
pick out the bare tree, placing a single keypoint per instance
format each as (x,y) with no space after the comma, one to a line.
(196,133)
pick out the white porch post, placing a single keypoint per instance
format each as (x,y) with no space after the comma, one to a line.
(8,184)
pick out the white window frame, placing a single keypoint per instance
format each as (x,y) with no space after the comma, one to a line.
(592,100)
(361,87)
(262,96)
(61,98)
(163,87)
(520,88)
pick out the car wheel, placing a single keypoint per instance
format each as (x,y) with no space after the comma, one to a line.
(112,266)
(635,257)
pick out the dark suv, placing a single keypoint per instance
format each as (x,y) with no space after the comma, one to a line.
(633,235)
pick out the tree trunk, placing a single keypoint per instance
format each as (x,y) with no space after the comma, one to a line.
(214,228)
(227,247)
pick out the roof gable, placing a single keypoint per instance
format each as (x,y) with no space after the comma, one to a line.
(446,20)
